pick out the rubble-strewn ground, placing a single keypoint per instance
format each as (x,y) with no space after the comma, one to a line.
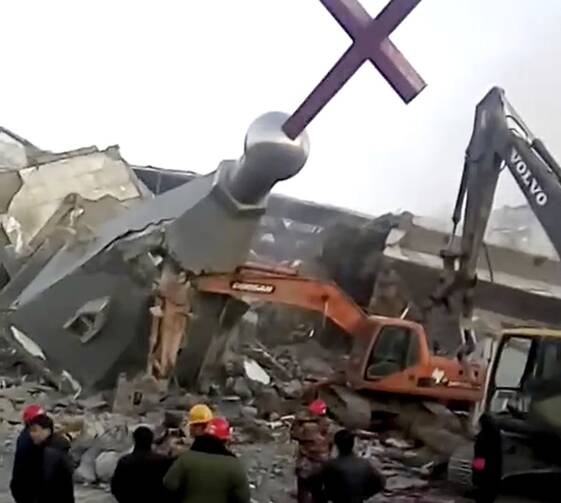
(259,399)
(263,445)
(261,460)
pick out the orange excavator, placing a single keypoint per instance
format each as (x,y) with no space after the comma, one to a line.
(388,355)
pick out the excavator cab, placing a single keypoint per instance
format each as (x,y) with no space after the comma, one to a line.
(394,349)
(391,355)
(518,445)
(385,348)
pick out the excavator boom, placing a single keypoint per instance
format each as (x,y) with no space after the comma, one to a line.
(500,140)
(284,286)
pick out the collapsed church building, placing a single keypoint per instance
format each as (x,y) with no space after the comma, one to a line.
(91,254)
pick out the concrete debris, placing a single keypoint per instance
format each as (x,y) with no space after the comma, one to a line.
(316,367)
(292,389)
(255,372)
(398,443)
(267,360)
(76,192)
(268,402)
(136,396)
(105,465)
(100,438)
(86,256)
(8,411)
(241,388)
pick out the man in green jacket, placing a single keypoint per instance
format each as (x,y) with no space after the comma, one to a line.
(209,472)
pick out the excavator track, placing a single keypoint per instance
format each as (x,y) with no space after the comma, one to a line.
(459,468)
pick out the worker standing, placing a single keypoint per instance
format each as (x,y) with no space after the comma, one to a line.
(311,429)
(347,478)
(208,472)
(54,477)
(139,475)
(26,459)
(172,445)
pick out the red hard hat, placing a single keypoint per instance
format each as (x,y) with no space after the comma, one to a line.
(32,411)
(219,428)
(318,407)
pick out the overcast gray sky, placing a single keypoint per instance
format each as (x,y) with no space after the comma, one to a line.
(176,83)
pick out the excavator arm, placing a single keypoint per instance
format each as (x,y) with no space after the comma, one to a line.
(500,139)
(284,286)
(389,355)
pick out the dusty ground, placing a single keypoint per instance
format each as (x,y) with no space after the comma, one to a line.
(269,470)
(270,474)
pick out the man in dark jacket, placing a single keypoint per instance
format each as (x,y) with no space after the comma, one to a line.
(55,467)
(26,460)
(347,478)
(139,475)
(209,472)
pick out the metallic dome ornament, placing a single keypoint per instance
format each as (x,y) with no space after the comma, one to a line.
(269,157)
(370,42)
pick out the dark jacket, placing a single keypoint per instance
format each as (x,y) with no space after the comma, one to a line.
(347,479)
(211,445)
(26,469)
(208,473)
(139,477)
(56,480)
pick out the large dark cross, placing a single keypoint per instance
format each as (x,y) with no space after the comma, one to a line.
(370,42)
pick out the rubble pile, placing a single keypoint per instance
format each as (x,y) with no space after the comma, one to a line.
(100,437)
(263,387)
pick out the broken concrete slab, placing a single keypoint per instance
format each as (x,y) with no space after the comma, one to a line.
(255,372)
(291,389)
(105,465)
(241,388)
(201,225)
(268,401)
(80,189)
(264,358)
(8,412)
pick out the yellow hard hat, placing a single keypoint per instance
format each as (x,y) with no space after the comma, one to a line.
(200,414)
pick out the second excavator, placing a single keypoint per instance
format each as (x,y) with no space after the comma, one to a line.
(519,435)
(500,140)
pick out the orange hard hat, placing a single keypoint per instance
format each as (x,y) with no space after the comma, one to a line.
(219,428)
(31,412)
(317,407)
